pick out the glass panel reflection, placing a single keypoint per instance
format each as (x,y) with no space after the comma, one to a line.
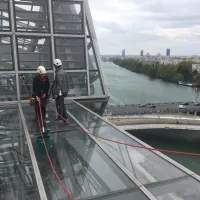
(34,51)
(145,165)
(31,16)
(134,194)
(82,166)
(17,179)
(71,52)
(8,91)
(78,84)
(6,60)
(4,16)
(95,84)
(28,83)
(92,57)
(68,17)
(185,189)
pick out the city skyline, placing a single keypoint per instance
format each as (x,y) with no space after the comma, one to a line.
(150,25)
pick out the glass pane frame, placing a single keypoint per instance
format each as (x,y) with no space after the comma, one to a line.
(73,85)
(60,31)
(98,81)
(37,30)
(9,16)
(8,87)
(18,179)
(59,54)
(9,53)
(183,188)
(47,66)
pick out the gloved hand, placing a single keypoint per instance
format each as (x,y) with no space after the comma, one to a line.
(43,96)
(55,96)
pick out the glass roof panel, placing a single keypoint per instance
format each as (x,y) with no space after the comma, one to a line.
(133,194)
(144,164)
(17,179)
(80,163)
(185,189)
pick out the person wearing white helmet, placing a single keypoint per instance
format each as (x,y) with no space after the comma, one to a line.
(41,87)
(60,90)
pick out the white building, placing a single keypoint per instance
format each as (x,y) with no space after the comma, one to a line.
(196,67)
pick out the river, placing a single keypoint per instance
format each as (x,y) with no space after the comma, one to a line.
(126,87)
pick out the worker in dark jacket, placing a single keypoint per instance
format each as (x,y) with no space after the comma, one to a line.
(40,89)
(60,90)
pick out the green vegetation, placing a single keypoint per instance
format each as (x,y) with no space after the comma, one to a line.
(167,72)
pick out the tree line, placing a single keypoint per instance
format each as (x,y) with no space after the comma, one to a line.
(167,72)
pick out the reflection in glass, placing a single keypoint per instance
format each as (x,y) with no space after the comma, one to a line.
(8,90)
(79,162)
(71,52)
(68,17)
(128,194)
(81,165)
(34,51)
(31,16)
(95,84)
(28,83)
(92,57)
(145,165)
(17,179)
(6,61)
(4,16)
(184,188)
(78,84)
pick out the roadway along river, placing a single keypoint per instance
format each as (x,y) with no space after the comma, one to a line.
(126,87)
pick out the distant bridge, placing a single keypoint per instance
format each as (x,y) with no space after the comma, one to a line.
(156,122)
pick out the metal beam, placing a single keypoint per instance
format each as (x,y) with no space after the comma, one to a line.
(86,50)
(33,158)
(14,43)
(95,44)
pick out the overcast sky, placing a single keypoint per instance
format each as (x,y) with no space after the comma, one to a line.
(151,25)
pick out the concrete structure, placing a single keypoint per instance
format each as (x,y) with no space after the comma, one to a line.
(123,53)
(168,52)
(141,53)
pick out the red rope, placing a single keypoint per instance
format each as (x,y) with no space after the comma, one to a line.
(47,153)
(106,139)
(127,144)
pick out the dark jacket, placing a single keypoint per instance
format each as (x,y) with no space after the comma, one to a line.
(61,82)
(40,88)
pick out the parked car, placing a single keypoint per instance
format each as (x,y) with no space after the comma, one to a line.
(181,106)
(185,103)
(197,104)
(142,105)
(152,106)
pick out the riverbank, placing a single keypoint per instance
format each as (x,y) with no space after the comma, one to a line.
(127,88)
(166,72)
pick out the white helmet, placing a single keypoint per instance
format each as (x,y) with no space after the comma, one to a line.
(41,70)
(57,62)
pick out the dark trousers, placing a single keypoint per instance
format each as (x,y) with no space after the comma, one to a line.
(61,109)
(43,107)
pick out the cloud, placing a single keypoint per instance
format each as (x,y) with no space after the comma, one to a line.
(151,25)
